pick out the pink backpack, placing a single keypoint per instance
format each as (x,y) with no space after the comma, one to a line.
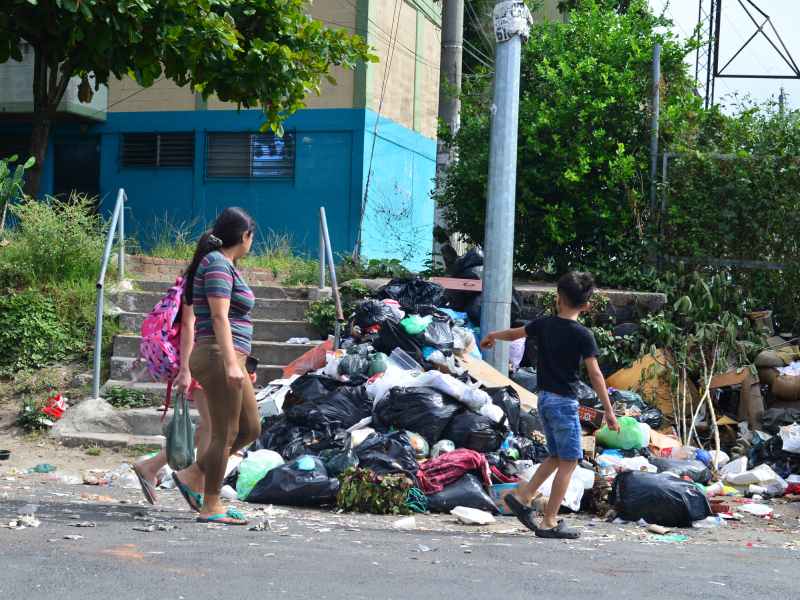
(161,338)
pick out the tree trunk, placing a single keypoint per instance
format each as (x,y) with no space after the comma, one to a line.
(40,136)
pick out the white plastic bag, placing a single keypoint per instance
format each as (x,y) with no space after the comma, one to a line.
(492,411)
(790,434)
(582,479)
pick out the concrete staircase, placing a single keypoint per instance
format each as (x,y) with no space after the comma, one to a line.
(278,315)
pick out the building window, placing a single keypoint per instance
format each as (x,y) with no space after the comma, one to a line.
(250,156)
(157,149)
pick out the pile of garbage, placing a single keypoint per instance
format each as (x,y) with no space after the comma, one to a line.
(405,417)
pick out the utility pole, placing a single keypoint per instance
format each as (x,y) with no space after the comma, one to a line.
(655,109)
(449,101)
(512,21)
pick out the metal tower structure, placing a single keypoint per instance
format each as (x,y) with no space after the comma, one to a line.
(704,56)
(709,66)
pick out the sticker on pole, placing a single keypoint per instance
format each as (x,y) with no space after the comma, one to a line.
(512,18)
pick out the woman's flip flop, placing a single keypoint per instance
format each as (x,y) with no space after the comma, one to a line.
(193,499)
(148,490)
(231,517)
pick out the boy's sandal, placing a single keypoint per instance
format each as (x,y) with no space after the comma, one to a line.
(193,499)
(522,512)
(231,517)
(148,490)
(560,532)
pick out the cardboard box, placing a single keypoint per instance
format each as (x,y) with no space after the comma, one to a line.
(591,417)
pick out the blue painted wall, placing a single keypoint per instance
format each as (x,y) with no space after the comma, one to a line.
(334,152)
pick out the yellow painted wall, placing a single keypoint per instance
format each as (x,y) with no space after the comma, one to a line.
(126,95)
(429,73)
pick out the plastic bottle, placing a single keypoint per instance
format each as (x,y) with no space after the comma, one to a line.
(682,453)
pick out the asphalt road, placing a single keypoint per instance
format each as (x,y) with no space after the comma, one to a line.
(312,554)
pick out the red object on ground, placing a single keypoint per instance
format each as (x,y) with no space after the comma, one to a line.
(502,477)
(794,488)
(434,475)
(55,408)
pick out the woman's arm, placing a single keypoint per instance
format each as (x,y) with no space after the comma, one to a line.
(184,377)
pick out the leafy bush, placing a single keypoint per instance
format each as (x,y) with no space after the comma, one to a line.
(321,314)
(54,242)
(127,398)
(30,417)
(32,333)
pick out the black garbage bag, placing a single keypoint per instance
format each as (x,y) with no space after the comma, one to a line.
(653,417)
(694,469)
(372,312)
(529,423)
(469,266)
(527,378)
(467,491)
(586,395)
(507,399)
(338,461)
(629,399)
(385,453)
(422,410)
(290,440)
(775,418)
(353,365)
(476,432)
(439,333)
(321,402)
(658,498)
(392,335)
(412,292)
(292,485)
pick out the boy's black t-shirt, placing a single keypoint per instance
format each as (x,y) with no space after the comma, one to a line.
(562,345)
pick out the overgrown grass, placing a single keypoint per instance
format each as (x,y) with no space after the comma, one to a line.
(48,271)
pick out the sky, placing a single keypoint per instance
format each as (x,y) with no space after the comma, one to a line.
(758,57)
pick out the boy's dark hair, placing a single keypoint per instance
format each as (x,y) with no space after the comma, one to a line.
(576,288)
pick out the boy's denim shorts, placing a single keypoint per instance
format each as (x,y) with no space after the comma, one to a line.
(559,416)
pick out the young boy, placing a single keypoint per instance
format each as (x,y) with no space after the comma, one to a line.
(562,343)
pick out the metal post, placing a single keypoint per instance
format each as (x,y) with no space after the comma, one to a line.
(512,24)
(655,108)
(122,197)
(449,99)
(321,258)
(98,321)
(323,221)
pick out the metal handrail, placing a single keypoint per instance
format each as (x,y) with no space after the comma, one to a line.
(117,224)
(326,252)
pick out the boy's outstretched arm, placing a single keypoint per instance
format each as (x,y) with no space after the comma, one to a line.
(599,386)
(506,335)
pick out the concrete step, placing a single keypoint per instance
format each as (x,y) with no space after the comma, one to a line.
(269,353)
(122,369)
(267,292)
(283,310)
(148,421)
(264,330)
(111,440)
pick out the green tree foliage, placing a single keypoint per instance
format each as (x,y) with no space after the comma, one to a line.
(584,130)
(257,53)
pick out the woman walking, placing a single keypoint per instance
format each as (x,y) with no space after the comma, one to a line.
(222,304)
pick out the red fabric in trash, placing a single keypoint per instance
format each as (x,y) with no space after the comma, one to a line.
(501,477)
(434,475)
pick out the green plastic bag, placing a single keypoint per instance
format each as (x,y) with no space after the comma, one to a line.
(414,324)
(253,469)
(378,363)
(631,435)
(180,436)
